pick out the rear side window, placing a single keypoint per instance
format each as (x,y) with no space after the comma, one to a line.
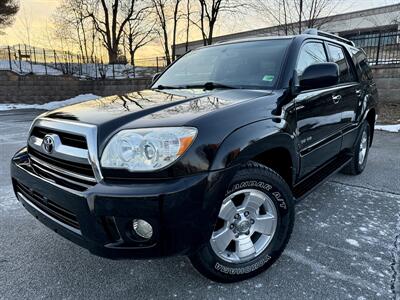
(338,56)
(310,54)
(360,59)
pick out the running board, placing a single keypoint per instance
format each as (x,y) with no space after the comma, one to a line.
(312,181)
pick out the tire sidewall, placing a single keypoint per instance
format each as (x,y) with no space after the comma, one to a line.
(365,127)
(281,196)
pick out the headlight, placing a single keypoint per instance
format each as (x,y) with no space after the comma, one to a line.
(147,149)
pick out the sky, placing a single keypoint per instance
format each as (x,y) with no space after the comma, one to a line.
(34,23)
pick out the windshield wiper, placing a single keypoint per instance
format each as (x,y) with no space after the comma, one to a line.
(207,86)
(212,85)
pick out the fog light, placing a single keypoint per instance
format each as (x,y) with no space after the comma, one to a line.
(142,228)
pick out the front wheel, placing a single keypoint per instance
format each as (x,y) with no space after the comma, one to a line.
(253,226)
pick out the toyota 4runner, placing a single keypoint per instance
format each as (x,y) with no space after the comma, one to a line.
(210,160)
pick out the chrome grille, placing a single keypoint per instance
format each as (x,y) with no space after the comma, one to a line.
(69,163)
(67,139)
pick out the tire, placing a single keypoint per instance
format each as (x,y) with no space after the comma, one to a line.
(261,185)
(357,164)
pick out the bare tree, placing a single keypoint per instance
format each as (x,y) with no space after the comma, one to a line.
(163,10)
(174,26)
(188,12)
(8,10)
(292,16)
(72,24)
(110,22)
(160,8)
(139,32)
(23,31)
(210,12)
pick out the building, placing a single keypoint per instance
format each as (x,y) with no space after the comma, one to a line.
(363,26)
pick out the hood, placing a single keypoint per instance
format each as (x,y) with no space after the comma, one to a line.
(215,114)
(152,107)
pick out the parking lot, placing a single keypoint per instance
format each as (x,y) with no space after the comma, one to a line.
(345,244)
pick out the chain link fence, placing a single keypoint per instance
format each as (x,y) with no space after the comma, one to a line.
(24,59)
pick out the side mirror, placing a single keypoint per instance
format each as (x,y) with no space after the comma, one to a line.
(155,77)
(319,76)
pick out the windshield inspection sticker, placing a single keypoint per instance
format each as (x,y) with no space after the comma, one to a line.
(268,78)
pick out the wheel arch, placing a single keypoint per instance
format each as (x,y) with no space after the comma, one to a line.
(263,142)
(278,159)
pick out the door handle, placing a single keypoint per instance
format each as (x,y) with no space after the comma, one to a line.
(336,98)
(358,93)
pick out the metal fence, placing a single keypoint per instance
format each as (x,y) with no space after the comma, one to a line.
(382,48)
(24,59)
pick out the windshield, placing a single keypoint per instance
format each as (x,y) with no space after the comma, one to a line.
(254,64)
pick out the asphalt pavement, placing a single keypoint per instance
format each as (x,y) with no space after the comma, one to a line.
(345,244)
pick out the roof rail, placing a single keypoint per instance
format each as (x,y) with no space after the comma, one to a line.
(314,31)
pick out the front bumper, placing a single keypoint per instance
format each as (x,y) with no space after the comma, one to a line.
(181,211)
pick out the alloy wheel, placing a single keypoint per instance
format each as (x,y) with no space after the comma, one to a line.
(246,225)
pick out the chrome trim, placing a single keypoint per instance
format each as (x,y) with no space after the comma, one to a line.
(87,130)
(61,151)
(77,231)
(321,143)
(61,170)
(49,181)
(307,94)
(63,178)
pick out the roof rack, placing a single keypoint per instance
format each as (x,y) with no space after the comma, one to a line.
(314,31)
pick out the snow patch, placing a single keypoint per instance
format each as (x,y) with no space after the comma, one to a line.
(334,275)
(353,242)
(25,67)
(389,128)
(117,71)
(50,105)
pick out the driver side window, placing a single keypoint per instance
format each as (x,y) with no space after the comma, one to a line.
(310,54)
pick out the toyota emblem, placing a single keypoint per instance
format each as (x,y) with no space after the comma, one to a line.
(48,144)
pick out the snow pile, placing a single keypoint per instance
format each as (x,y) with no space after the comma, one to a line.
(389,128)
(26,68)
(49,105)
(117,71)
(88,70)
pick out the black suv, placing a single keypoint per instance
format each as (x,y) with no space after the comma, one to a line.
(210,160)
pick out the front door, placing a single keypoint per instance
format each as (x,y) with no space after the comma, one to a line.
(319,116)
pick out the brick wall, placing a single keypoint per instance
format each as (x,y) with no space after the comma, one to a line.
(42,89)
(387,78)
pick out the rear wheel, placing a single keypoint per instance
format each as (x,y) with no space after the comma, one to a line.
(253,226)
(360,152)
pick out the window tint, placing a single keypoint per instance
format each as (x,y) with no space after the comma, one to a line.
(338,56)
(310,54)
(255,64)
(363,69)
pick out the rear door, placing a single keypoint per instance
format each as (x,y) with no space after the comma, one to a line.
(365,78)
(318,115)
(348,90)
